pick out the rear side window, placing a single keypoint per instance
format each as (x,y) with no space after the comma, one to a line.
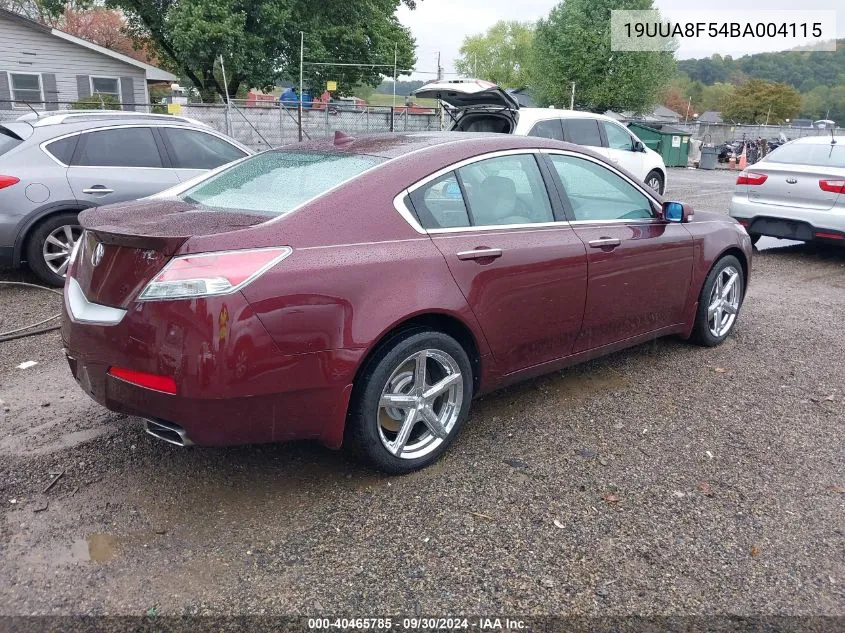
(190,149)
(124,147)
(275,183)
(819,155)
(548,129)
(439,204)
(583,132)
(7,141)
(63,148)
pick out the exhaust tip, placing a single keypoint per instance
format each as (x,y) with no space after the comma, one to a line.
(167,432)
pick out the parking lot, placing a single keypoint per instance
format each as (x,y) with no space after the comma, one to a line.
(665,479)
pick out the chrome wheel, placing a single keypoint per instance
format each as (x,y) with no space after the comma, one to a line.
(58,246)
(724,301)
(420,404)
(654,183)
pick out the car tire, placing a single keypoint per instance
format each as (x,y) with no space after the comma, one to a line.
(713,324)
(375,432)
(47,259)
(655,181)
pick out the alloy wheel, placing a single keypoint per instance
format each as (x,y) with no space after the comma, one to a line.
(58,246)
(724,301)
(420,404)
(654,183)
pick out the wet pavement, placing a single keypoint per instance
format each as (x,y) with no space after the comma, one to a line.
(665,479)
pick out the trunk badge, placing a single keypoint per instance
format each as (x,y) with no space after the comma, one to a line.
(791,181)
(97,255)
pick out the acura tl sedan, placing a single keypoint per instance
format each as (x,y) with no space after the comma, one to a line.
(362,292)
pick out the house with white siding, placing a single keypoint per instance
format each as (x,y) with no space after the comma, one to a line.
(48,69)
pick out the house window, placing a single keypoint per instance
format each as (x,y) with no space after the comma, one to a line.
(25,88)
(106,86)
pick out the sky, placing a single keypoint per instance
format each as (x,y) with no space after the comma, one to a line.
(441,25)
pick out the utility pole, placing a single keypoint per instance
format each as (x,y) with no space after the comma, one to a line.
(689,103)
(572,97)
(768,114)
(301,59)
(228,101)
(440,78)
(393,109)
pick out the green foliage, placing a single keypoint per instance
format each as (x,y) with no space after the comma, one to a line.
(824,103)
(573,45)
(260,40)
(716,97)
(803,70)
(96,102)
(500,55)
(757,101)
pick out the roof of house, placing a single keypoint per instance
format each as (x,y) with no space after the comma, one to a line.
(664,112)
(711,116)
(153,73)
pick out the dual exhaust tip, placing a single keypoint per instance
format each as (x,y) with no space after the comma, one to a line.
(167,432)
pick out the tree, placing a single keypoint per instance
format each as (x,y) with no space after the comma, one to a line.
(259,40)
(573,45)
(105,27)
(716,97)
(758,101)
(500,55)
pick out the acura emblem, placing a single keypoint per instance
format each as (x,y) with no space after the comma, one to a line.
(97,255)
(791,181)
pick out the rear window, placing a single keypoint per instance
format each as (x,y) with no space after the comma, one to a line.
(275,183)
(825,155)
(63,148)
(7,141)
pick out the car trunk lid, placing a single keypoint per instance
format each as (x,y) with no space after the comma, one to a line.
(792,185)
(468,93)
(125,246)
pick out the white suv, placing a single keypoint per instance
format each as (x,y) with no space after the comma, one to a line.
(481,106)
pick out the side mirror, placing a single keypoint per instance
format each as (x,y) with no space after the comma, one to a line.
(638,146)
(677,212)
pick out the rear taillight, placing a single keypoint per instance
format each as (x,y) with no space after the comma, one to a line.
(833,186)
(751,178)
(157,382)
(211,274)
(8,181)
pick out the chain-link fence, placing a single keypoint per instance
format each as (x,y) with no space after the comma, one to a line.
(260,125)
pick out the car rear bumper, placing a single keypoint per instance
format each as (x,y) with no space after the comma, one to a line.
(789,222)
(232,384)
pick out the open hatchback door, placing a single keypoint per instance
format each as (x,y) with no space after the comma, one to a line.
(478,106)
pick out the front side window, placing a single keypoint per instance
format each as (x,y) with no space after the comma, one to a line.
(505,190)
(275,183)
(583,132)
(439,204)
(548,129)
(25,88)
(596,193)
(123,147)
(191,149)
(617,138)
(106,86)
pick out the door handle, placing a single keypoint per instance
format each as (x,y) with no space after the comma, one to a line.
(97,189)
(605,242)
(480,253)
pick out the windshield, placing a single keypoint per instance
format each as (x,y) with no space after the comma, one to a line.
(274,183)
(826,155)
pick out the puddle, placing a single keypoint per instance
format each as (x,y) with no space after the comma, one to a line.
(99,548)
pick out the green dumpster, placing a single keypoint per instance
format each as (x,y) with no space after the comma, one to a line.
(671,143)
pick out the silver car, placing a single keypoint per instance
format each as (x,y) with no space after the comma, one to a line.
(54,165)
(797,192)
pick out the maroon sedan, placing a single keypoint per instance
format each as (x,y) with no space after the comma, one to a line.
(364,291)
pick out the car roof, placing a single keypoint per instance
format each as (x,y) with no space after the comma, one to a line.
(821,139)
(394,145)
(99,117)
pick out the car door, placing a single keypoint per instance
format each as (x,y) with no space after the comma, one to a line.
(522,271)
(193,152)
(620,149)
(640,266)
(117,164)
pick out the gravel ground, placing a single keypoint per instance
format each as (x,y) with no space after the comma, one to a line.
(666,479)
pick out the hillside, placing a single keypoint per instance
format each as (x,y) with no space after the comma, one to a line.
(804,70)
